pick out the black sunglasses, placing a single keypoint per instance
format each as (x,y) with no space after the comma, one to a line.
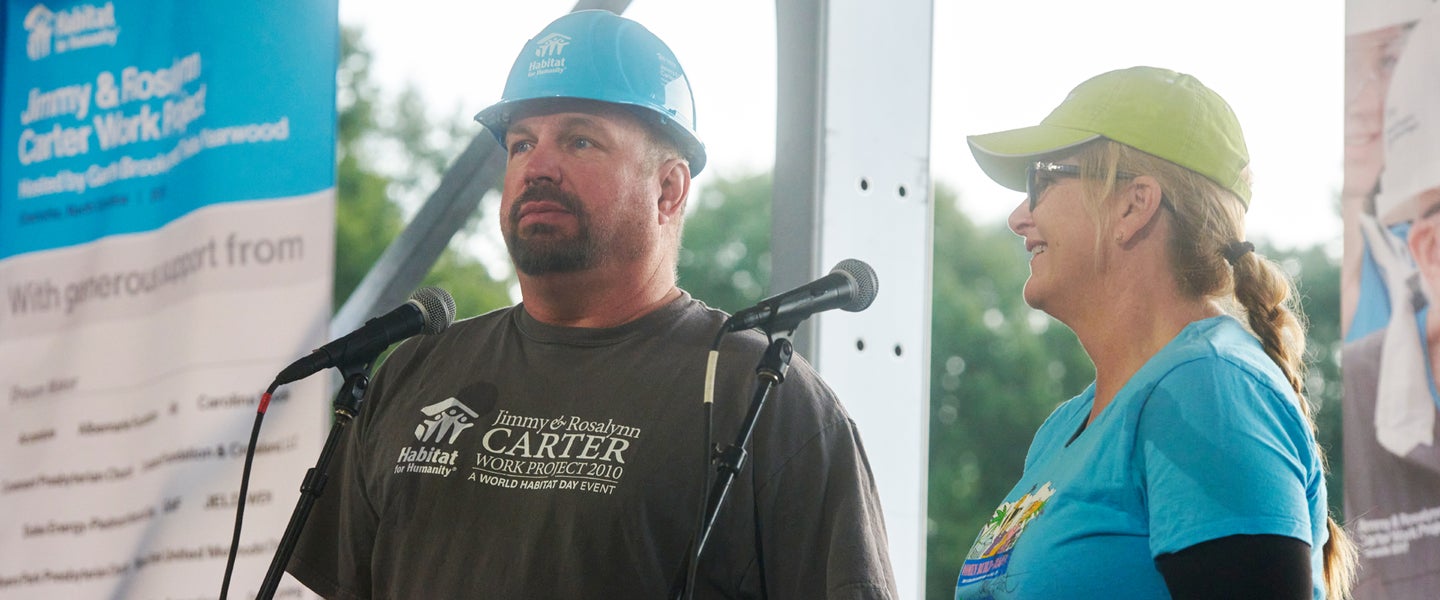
(1034,187)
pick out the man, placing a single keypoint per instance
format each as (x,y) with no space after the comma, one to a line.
(553,449)
(1392,433)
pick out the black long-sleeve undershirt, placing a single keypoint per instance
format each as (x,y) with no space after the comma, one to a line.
(1240,567)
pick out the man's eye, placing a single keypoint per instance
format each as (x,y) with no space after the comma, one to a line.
(583,143)
(520,146)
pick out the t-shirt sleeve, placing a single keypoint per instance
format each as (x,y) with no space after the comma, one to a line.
(1222,452)
(822,528)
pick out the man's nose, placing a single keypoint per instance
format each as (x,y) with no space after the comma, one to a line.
(543,162)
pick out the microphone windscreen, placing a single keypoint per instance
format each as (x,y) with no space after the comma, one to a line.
(867,285)
(437,307)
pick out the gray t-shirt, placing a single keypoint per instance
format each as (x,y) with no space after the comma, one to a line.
(507,458)
(1392,503)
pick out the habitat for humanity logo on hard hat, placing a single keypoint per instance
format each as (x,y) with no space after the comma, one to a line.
(548,50)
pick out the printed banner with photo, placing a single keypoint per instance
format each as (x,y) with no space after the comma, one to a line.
(166,246)
(1390,278)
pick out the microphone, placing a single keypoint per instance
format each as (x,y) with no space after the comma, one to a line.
(850,286)
(429,310)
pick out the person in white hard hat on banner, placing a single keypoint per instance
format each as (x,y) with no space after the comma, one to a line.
(555,448)
(1376,32)
(1392,433)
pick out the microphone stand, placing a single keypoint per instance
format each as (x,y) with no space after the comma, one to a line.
(347,406)
(728,462)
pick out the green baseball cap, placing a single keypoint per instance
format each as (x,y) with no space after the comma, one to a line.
(1158,111)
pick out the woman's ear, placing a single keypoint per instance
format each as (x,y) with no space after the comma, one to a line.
(1138,203)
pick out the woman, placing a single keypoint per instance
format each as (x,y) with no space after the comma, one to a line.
(1189,468)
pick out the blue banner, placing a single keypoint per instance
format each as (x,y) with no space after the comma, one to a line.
(120,117)
(167,197)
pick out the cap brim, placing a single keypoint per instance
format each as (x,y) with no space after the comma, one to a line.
(1005,155)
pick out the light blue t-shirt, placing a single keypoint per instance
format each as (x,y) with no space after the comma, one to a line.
(1205,441)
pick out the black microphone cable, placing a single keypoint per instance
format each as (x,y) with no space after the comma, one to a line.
(245,488)
(712,361)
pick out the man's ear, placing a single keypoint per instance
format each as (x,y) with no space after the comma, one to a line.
(674,189)
(1425,248)
(1139,203)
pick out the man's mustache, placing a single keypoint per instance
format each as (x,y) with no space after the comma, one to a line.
(548,193)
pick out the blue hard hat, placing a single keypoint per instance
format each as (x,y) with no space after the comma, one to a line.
(598,55)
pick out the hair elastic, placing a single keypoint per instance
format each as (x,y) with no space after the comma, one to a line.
(1235,250)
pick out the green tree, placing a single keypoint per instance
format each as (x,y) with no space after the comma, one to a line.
(725,254)
(388,150)
(365,217)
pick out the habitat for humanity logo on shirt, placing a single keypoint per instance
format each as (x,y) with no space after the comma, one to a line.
(437,432)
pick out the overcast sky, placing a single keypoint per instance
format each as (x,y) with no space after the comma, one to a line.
(996,65)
